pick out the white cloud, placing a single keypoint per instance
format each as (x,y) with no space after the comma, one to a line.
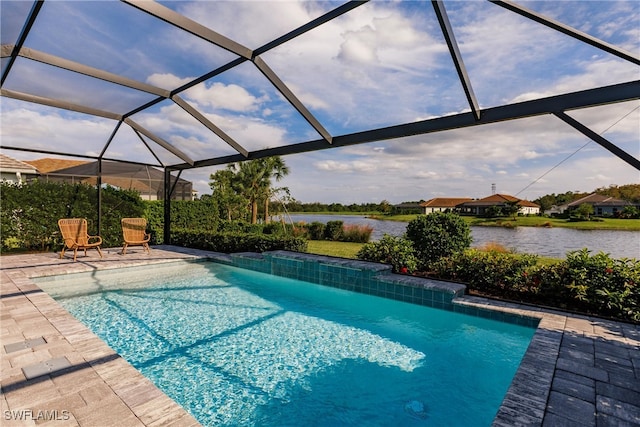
(251,23)
(226,97)
(65,132)
(167,80)
(346,166)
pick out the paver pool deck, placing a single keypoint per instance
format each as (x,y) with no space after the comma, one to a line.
(578,370)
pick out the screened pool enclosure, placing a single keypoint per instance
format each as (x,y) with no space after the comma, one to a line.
(182,85)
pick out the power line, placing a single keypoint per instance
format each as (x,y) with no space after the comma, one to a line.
(575,152)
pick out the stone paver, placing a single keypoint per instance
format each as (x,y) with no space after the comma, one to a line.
(99,388)
(577,371)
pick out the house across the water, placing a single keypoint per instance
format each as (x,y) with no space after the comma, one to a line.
(480,207)
(602,205)
(443,204)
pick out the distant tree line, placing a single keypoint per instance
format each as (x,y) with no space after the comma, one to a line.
(296,206)
(629,192)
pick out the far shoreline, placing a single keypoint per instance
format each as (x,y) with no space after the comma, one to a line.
(509,222)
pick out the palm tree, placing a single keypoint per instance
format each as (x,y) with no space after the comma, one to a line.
(253,180)
(250,179)
(276,169)
(247,183)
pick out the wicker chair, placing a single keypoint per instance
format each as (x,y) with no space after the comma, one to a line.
(75,235)
(134,232)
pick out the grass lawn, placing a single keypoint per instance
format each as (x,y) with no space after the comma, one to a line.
(349,250)
(538,221)
(338,249)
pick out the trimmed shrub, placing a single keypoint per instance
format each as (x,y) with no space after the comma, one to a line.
(438,235)
(199,214)
(604,285)
(393,250)
(595,284)
(236,242)
(333,230)
(491,272)
(316,230)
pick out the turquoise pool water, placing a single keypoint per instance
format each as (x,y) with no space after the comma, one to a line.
(236,347)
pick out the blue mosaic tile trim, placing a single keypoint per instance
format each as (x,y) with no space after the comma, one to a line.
(251,261)
(369,278)
(500,316)
(353,275)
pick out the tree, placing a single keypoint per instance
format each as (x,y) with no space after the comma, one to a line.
(630,212)
(222,190)
(252,180)
(584,210)
(385,207)
(511,208)
(493,212)
(546,202)
(275,168)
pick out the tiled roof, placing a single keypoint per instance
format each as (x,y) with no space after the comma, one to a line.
(48,165)
(125,183)
(445,202)
(9,164)
(498,199)
(526,203)
(599,200)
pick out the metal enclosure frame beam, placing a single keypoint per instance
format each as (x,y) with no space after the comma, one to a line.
(289,96)
(31,19)
(56,61)
(544,106)
(64,105)
(180,21)
(161,142)
(599,139)
(565,29)
(454,50)
(209,125)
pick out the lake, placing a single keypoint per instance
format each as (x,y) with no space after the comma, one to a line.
(551,242)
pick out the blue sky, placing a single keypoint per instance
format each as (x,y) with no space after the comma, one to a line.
(382,64)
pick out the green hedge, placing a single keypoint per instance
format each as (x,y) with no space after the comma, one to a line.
(193,214)
(393,250)
(596,284)
(30,213)
(236,242)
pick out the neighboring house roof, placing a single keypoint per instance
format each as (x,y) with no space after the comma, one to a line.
(445,202)
(528,204)
(124,175)
(499,199)
(144,179)
(9,164)
(47,165)
(599,200)
(128,183)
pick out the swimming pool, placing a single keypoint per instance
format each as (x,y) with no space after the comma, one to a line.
(237,347)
